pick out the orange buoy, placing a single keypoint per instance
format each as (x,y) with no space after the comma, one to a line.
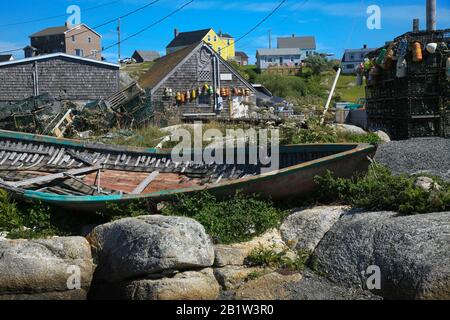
(417,52)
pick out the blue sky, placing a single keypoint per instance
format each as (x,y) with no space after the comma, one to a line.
(335,24)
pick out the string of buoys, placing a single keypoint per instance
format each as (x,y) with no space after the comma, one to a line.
(183,97)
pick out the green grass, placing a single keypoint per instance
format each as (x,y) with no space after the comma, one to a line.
(347,89)
(136,70)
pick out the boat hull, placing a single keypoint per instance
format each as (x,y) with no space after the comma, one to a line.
(301,165)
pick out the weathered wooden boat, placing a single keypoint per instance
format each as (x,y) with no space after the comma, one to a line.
(86,177)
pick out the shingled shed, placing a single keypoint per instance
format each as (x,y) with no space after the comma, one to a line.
(62,76)
(196,82)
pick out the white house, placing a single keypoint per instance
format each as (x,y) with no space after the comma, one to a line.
(307,45)
(353,58)
(266,58)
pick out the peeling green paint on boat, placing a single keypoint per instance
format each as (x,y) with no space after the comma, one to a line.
(48,197)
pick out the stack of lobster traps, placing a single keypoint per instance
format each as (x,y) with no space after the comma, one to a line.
(408,91)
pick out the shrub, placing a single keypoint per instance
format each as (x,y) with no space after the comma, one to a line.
(270,258)
(379,190)
(235,219)
(33,220)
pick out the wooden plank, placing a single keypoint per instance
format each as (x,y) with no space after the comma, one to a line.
(51,177)
(10,149)
(144,184)
(79,157)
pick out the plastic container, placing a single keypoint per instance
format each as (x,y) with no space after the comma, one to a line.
(417,52)
(402,68)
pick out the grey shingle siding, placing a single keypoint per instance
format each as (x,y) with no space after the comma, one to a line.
(62,78)
(185,77)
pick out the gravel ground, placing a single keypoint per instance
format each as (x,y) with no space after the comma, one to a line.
(415,156)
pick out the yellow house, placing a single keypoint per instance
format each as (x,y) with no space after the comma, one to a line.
(222,43)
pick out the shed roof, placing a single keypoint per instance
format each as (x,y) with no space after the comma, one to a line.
(308,42)
(168,64)
(5,57)
(147,55)
(56,55)
(52,31)
(163,66)
(241,54)
(188,38)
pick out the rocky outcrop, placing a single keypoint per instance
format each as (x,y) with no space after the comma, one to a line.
(137,247)
(427,184)
(54,269)
(235,254)
(349,129)
(384,137)
(304,229)
(189,285)
(231,277)
(315,287)
(411,252)
(271,286)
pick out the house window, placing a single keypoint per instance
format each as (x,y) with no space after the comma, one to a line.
(215,38)
(89,40)
(351,66)
(94,53)
(79,52)
(209,38)
(220,50)
(73,38)
(270,59)
(229,42)
(292,59)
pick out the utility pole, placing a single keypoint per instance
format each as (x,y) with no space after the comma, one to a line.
(118,36)
(270,39)
(431,15)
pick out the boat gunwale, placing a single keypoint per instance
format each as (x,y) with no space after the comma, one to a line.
(54,198)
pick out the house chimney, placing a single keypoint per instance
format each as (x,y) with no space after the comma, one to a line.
(365,46)
(431,15)
(293,35)
(416,25)
(176,32)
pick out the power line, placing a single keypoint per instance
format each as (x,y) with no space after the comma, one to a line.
(115,19)
(257,25)
(144,29)
(100,25)
(12,50)
(56,16)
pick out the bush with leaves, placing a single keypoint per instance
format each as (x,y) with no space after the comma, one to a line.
(236,219)
(380,190)
(271,258)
